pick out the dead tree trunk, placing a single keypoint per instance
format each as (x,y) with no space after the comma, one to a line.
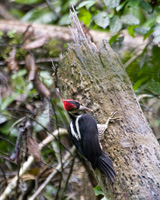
(97,78)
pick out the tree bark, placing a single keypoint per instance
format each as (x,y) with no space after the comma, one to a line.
(97,78)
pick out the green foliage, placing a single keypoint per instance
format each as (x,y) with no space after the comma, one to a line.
(113,38)
(111,3)
(102,19)
(115,24)
(144,72)
(138,17)
(87,4)
(85,16)
(98,191)
(131,30)
(5,128)
(28,1)
(50,191)
(146,6)
(64,20)
(40,15)
(129,19)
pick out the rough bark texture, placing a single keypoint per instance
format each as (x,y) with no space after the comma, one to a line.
(97,78)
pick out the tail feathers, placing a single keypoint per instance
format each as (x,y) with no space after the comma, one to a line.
(106,167)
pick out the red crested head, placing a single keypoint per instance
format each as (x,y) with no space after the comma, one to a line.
(71,105)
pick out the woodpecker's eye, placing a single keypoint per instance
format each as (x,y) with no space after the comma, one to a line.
(70,105)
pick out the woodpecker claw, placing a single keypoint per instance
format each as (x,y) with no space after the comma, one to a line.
(112,118)
(103,127)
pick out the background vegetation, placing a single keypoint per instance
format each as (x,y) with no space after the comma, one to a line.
(27,115)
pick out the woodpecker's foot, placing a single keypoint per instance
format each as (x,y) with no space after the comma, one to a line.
(112,118)
(103,127)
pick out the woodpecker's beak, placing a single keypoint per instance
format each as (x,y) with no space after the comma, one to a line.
(83,108)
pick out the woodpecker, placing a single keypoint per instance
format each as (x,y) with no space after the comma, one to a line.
(83,132)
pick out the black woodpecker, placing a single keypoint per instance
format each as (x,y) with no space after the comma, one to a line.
(84,135)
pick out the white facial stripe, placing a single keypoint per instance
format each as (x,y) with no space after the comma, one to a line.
(76,133)
(73,132)
(77,126)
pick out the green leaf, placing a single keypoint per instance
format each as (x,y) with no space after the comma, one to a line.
(150,22)
(102,19)
(148,34)
(157,8)
(156,34)
(133,3)
(5,129)
(98,190)
(11,34)
(154,87)
(1,33)
(8,100)
(115,24)
(43,119)
(28,1)
(47,78)
(17,13)
(158,19)
(146,6)
(118,8)
(65,20)
(157,30)
(87,4)
(130,20)
(113,38)
(131,30)
(139,83)
(40,15)
(20,73)
(2,119)
(142,30)
(111,3)
(85,16)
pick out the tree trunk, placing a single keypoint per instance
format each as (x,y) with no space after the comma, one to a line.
(97,78)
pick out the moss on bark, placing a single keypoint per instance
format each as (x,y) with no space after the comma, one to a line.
(96,77)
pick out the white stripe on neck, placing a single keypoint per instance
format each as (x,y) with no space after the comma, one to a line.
(76,133)
(77,126)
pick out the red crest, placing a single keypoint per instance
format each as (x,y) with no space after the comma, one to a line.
(70,105)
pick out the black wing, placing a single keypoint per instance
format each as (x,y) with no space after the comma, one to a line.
(89,139)
(88,145)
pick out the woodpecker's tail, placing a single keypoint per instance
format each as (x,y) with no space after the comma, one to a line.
(106,167)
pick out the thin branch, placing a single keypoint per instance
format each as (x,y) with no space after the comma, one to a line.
(133,58)
(51,8)
(37,61)
(67,159)
(18,180)
(68,177)
(16,154)
(141,96)
(3,173)
(60,153)
(55,136)
(4,13)
(11,186)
